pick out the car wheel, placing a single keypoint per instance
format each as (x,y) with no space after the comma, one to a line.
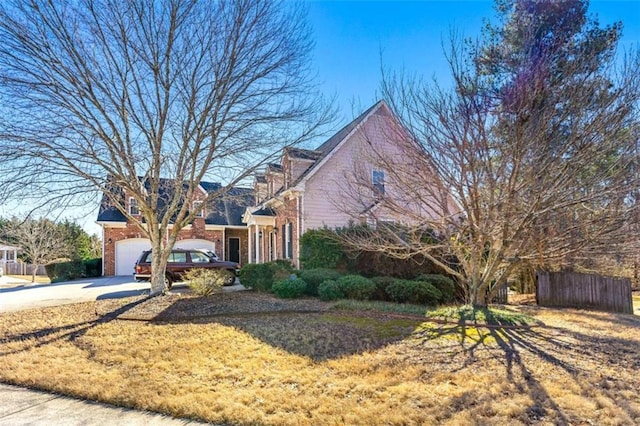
(168,282)
(230,278)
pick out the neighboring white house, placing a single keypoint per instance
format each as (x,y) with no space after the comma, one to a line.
(8,254)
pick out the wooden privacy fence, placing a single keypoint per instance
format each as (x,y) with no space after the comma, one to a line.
(571,289)
(501,295)
(15,268)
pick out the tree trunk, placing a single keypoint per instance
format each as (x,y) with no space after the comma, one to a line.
(158,267)
(33,273)
(476,293)
(479,299)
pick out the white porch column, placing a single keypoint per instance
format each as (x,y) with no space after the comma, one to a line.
(257,237)
(249,238)
(15,255)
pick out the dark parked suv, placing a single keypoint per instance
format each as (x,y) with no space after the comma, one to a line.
(182,260)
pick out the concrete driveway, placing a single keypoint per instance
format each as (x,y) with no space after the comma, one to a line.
(25,295)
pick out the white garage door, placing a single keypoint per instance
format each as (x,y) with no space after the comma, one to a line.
(127,252)
(196,244)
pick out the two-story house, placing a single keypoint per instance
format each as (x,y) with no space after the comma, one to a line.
(347,179)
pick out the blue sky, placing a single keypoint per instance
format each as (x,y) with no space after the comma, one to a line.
(353,37)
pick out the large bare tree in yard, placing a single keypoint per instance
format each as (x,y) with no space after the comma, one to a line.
(150,97)
(529,158)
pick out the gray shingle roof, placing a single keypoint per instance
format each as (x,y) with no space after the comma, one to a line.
(265,211)
(226,210)
(273,167)
(303,154)
(229,209)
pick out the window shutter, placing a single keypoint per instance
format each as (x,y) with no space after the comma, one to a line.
(284,242)
(289,240)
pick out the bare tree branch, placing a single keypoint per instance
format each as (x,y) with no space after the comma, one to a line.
(151,98)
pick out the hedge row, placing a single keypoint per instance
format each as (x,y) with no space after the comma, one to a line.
(65,271)
(322,248)
(284,281)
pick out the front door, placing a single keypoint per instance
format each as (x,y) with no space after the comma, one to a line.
(234,250)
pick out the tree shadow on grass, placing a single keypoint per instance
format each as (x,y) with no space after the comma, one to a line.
(524,349)
(71,332)
(322,336)
(305,327)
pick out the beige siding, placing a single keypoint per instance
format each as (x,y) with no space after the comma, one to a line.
(332,197)
(298,167)
(340,190)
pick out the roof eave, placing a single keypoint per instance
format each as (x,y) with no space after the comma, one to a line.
(313,169)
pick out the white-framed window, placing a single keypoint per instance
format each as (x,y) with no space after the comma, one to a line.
(377,179)
(287,240)
(133,207)
(196,206)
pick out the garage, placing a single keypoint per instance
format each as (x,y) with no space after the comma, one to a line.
(127,252)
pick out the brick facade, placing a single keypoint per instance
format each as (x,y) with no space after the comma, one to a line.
(244,244)
(111,235)
(286,213)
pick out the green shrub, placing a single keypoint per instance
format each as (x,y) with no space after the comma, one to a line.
(261,276)
(282,269)
(443,283)
(381,287)
(315,277)
(93,267)
(74,269)
(357,287)
(418,292)
(289,289)
(283,264)
(320,249)
(50,269)
(205,282)
(65,271)
(330,290)
(258,276)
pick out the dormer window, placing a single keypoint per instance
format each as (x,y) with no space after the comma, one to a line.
(377,179)
(133,207)
(197,206)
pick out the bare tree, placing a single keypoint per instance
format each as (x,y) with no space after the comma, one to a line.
(41,241)
(149,98)
(526,161)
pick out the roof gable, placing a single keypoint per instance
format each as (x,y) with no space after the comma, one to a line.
(331,145)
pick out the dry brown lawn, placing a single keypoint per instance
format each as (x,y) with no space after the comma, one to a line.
(252,359)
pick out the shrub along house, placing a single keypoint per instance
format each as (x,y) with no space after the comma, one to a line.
(219,228)
(345,180)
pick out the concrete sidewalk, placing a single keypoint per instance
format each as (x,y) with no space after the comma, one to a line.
(22,406)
